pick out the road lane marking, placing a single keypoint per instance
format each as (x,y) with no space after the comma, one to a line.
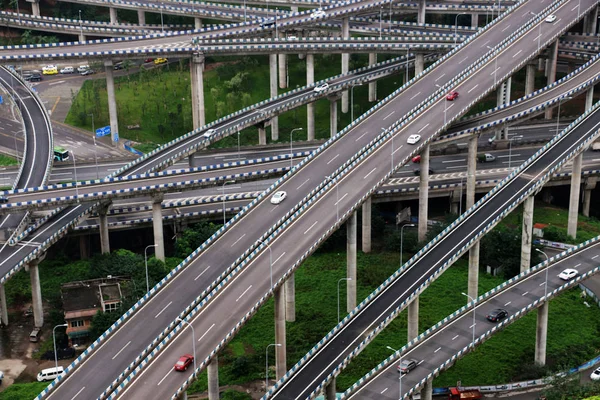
(524,293)
(573,9)
(55,83)
(234,243)
(508,26)
(205,333)
(494,71)
(342,198)
(473,88)
(164,377)
(593,258)
(420,362)
(517,53)
(463,60)
(454,338)
(507,303)
(78,393)
(373,170)
(279,258)
(536,38)
(438,349)
(472,325)
(452,161)
(310,227)
(415,96)
(421,130)
(577,265)
(330,161)
(485,44)
(123,348)
(397,150)
(302,184)
(440,77)
(201,273)
(161,311)
(542,284)
(241,295)
(383,391)
(361,136)
(273,209)
(387,116)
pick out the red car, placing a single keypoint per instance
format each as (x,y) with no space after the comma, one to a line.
(184,362)
(453,95)
(416,159)
(149,60)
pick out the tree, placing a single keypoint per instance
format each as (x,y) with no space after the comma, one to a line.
(501,248)
(193,237)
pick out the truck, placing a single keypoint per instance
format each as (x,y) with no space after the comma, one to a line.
(485,157)
(464,394)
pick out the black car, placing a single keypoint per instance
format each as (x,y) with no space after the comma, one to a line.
(417,171)
(497,315)
(118,66)
(32,77)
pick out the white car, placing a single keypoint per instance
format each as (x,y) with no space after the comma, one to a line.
(595,375)
(83,68)
(551,18)
(568,273)
(209,133)
(278,197)
(318,13)
(67,70)
(413,139)
(292,37)
(321,88)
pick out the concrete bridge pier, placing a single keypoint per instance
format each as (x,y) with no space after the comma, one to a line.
(262,134)
(103,222)
(273,88)
(351,262)
(455,199)
(310,107)
(330,391)
(553,52)
(529,78)
(213,379)
(427,391)
(574,198)
(3,306)
(290,298)
(283,76)
(141,17)
(423,194)
(473,279)
(527,233)
(191,161)
(36,292)
(332,115)
(366,226)
(280,351)
(541,334)
(157,226)
(372,85)
(35,7)
(589,98)
(503,97)
(590,22)
(197,23)
(197,81)
(413,319)
(113,15)
(590,184)
(81,37)
(112,101)
(474,20)
(345,63)
(421,12)
(419,64)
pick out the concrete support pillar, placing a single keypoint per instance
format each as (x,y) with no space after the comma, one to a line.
(332,116)
(35,8)
(419,63)
(423,194)
(351,262)
(36,294)
(112,101)
(310,107)
(82,37)
(589,98)
(541,334)
(529,79)
(191,161)
(330,391)
(213,379)
(84,247)
(283,76)
(141,17)
(262,135)
(103,222)
(3,306)
(589,22)
(541,64)
(553,51)
(503,97)
(413,319)
(471,171)
(421,12)
(113,15)
(574,197)
(280,351)
(197,82)
(473,278)
(590,184)
(273,88)
(157,226)
(474,20)
(527,233)
(372,85)
(290,298)
(197,23)
(345,63)
(366,226)
(427,391)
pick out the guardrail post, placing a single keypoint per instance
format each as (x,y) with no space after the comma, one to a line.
(366,226)
(552,59)
(421,12)
(84,246)
(413,319)
(330,392)
(280,350)
(36,293)
(310,107)
(372,85)
(113,15)
(157,226)
(541,334)
(590,184)
(141,17)
(103,226)
(213,378)
(197,75)
(527,233)
(197,23)
(423,194)
(112,102)
(351,262)
(3,306)
(529,78)
(474,20)
(332,116)
(345,62)
(283,76)
(273,88)
(427,391)
(290,298)
(574,197)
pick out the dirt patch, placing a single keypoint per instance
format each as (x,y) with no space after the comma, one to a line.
(12,369)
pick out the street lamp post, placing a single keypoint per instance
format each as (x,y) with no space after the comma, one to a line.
(558,116)
(352,101)
(495,66)
(337,206)
(146,264)
(399,375)
(291,150)
(162,25)
(270,262)
(238,154)
(54,341)
(406,72)
(461,194)
(547,267)
(223,195)
(193,341)
(401,239)
(473,300)
(445,105)
(80,24)
(267,365)
(338,297)
(95,150)
(75,172)
(456,26)
(510,140)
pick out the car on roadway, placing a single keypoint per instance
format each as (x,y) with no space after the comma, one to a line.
(406,366)
(149,60)
(292,37)
(118,66)
(417,171)
(595,375)
(67,70)
(453,95)
(184,362)
(551,18)
(323,87)
(497,315)
(82,68)
(1,377)
(160,60)
(416,159)
(278,197)
(413,139)
(3,199)
(33,76)
(318,13)
(268,23)
(568,274)
(50,70)
(87,72)
(209,133)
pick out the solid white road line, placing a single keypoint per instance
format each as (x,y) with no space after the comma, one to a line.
(341,198)
(330,161)
(279,258)
(164,377)
(302,184)
(454,338)
(387,116)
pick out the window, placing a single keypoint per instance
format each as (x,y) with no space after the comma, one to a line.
(110,307)
(76,323)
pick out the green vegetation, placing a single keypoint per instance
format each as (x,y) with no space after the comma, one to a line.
(7,160)
(20,391)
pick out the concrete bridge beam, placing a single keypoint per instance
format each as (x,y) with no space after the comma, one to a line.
(419,63)
(283,76)
(330,391)
(35,7)
(590,184)
(290,298)
(113,15)
(197,23)
(36,293)
(421,12)
(141,17)
(103,226)
(427,391)
(413,319)
(332,116)
(530,78)
(541,334)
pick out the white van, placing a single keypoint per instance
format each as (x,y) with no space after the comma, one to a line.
(83,68)
(49,374)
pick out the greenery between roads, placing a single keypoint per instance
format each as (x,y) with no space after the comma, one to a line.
(7,160)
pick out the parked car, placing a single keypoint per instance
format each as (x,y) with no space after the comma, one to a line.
(551,18)
(35,335)
(184,362)
(321,88)
(30,76)
(149,60)
(595,375)
(160,60)
(568,274)
(67,70)
(413,139)
(406,366)
(453,95)
(82,68)
(118,65)
(49,374)
(417,171)
(50,70)
(416,159)
(278,197)
(318,13)
(497,315)
(87,72)
(485,157)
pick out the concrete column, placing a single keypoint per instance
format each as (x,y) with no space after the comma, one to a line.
(112,101)
(197,23)
(191,161)
(421,12)
(82,38)
(157,226)
(345,63)
(36,294)
(141,17)
(213,379)
(310,107)
(290,298)
(262,135)
(413,319)
(280,351)
(3,306)
(574,198)
(282,66)
(427,391)
(471,171)
(553,51)
(351,262)
(541,334)
(35,8)
(474,20)
(273,86)
(423,194)
(332,116)
(503,97)
(113,15)
(197,82)
(84,247)
(541,64)
(103,222)
(593,26)
(473,278)
(589,98)
(529,78)
(527,233)
(419,63)
(590,184)
(366,226)
(372,85)
(330,392)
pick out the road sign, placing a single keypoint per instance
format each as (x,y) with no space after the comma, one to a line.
(104,131)
(116,136)
(1,100)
